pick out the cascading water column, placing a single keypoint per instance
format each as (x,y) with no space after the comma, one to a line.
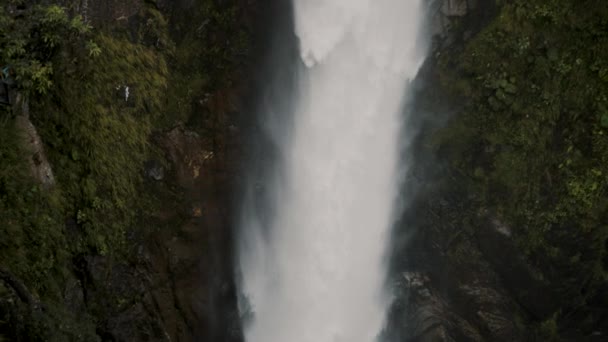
(316,273)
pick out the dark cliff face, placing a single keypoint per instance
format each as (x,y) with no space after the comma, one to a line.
(487,250)
(141,131)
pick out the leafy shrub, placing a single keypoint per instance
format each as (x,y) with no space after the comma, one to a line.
(28,45)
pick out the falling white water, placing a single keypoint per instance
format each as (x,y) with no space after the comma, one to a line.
(316,274)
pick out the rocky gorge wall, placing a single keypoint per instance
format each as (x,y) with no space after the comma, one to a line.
(488,249)
(142,119)
(132,110)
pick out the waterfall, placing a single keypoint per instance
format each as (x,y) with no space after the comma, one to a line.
(315,271)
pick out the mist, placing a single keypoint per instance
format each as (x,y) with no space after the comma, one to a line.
(323,195)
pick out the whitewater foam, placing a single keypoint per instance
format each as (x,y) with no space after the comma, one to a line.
(316,274)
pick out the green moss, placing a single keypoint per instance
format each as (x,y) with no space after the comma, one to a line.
(53,324)
(208,63)
(31,218)
(96,139)
(531,143)
(548,330)
(99,136)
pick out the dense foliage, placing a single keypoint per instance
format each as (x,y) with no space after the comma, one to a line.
(28,46)
(96,97)
(532,141)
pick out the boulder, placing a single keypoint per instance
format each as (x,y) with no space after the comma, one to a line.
(154,170)
(456,8)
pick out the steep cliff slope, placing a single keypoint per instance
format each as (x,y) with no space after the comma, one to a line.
(115,168)
(506,237)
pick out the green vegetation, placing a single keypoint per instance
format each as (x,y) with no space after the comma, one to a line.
(27,46)
(205,76)
(97,96)
(548,330)
(532,141)
(99,136)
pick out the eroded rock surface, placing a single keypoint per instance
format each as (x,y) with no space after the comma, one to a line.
(40,168)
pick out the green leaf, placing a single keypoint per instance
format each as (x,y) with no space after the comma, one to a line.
(604,120)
